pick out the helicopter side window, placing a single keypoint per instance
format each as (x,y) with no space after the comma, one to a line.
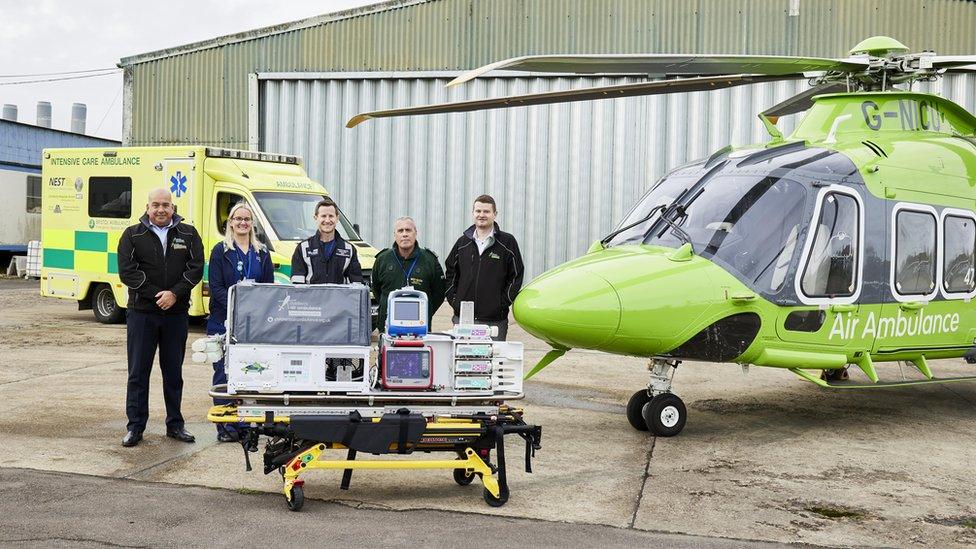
(915,243)
(959,255)
(831,268)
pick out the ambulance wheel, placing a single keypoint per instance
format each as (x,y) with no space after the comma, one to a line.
(463,477)
(103,304)
(493,501)
(635,407)
(665,415)
(297,498)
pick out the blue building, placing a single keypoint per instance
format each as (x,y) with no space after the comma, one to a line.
(20,178)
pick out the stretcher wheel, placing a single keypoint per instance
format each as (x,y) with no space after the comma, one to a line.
(463,477)
(297,498)
(635,407)
(493,501)
(665,415)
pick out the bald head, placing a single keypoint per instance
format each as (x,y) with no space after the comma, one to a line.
(159,208)
(160,194)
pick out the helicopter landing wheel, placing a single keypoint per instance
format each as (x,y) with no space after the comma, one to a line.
(635,407)
(835,375)
(665,415)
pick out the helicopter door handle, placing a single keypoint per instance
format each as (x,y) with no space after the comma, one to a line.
(911,305)
(848,308)
(742,298)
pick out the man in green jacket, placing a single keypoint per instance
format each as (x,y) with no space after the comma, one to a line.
(407,264)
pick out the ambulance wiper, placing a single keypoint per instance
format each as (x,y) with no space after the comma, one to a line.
(650,214)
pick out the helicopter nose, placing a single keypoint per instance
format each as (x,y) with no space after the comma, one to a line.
(572,308)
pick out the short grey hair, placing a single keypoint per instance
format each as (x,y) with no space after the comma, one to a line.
(405,218)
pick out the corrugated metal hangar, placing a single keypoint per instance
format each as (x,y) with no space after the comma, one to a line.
(563,174)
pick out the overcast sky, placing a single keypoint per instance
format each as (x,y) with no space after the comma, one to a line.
(44,36)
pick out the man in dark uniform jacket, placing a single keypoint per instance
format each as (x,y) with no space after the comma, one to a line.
(160,261)
(407,264)
(325,258)
(485,266)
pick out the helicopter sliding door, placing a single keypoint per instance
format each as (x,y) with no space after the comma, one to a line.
(932,270)
(828,282)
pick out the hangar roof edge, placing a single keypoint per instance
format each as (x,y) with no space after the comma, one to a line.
(255,34)
(28,127)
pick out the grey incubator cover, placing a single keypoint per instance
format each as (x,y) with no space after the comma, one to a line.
(316,314)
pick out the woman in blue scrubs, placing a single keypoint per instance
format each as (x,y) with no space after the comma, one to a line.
(239,257)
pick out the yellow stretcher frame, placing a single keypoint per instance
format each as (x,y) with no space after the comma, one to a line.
(312,458)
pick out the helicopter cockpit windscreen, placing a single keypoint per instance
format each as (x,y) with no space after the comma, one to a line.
(634,227)
(748,222)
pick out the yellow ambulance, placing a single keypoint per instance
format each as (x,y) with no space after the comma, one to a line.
(89,196)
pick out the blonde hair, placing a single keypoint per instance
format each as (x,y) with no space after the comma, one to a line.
(229,231)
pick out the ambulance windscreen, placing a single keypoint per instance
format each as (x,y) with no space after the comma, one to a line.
(291,215)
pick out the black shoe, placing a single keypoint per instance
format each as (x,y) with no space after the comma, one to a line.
(131,439)
(180,434)
(227,437)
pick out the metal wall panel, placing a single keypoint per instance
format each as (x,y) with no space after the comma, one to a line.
(563,175)
(197,93)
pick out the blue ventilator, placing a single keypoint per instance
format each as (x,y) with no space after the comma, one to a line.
(406,313)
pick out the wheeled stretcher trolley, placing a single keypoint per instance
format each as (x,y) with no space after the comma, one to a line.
(301,373)
(300,442)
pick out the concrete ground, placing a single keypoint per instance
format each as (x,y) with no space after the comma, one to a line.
(99,512)
(764,456)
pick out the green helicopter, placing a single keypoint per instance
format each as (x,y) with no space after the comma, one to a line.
(851,241)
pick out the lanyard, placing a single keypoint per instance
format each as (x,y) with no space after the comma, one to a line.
(406,272)
(243,263)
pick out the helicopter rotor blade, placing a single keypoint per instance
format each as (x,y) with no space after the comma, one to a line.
(954,63)
(668,65)
(582,94)
(802,101)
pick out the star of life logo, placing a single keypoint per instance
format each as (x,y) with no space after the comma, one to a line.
(178,184)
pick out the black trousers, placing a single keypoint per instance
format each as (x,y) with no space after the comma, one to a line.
(144,333)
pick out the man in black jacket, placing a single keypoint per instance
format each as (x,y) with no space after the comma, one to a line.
(325,258)
(160,260)
(485,266)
